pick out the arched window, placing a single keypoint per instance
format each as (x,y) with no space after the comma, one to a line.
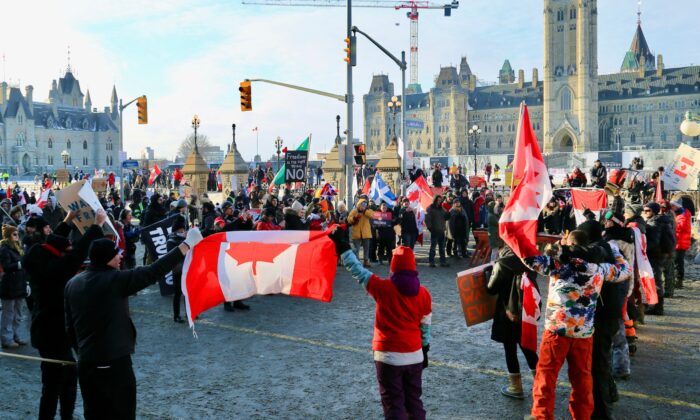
(85,161)
(633,139)
(565,100)
(85,124)
(109,144)
(418,144)
(69,123)
(510,143)
(84,144)
(488,144)
(663,137)
(68,144)
(572,13)
(447,143)
(429,144)
(439,144)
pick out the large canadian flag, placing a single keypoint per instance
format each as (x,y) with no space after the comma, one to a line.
(154,174)
(231,266)
(593,200)
(518,224)
(531,313)
(420,197)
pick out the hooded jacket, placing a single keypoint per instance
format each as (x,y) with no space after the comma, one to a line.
(435,217)
(360,222)
(683,229)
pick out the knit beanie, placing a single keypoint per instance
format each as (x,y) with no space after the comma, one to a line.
(60,243)
(296,206)
(593,229)
(7,231)
(16,209)
(653,206)
(102,251)
(37,223)
(403,260)
(179,223)
(633,209)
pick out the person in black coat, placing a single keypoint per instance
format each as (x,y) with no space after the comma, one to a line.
(177,235)
(13,287)
(437,177)
(100,328)
(459,228)
(505,281)
(409,226)
(385,234)
(49,267)
(292,220)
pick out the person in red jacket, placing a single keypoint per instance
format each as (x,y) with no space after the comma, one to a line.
(401,328)
(267,221)
(683,227)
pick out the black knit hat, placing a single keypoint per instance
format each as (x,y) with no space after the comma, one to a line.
(61,243)
(102,251)
(593,229)
(37,223)
(179,223)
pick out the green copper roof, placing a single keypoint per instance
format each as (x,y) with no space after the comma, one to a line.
(629,63)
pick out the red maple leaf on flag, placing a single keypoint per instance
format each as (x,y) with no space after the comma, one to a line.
(246,252)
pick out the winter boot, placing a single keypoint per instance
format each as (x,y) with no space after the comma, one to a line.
(514,389)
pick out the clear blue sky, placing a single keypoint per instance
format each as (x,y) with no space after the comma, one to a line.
(189,56)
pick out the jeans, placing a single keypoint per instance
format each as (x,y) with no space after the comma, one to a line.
(437,239)
(108,390)
(409,239)
(364,243)
(58,382)
(400,388)
(9,320)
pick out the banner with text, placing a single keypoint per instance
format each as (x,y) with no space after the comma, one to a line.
(477,304)
(155,237)
(683,171)
(295,165)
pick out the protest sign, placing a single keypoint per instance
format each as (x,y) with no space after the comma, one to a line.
(155,237)
(62,176)
(683,171)
(382,219)
(295,165)
(478,305)
(80,197)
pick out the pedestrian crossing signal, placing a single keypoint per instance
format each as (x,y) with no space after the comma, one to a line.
(142,105)
(246,96)
(360,157)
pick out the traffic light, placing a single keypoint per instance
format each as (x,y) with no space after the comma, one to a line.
(360,157)
(246,96)
(142,105)
(351,50)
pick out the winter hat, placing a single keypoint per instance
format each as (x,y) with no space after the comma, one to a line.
(102,251)
(593,229)
(181,204)
(34,210)
(403,259)
(37,222)
(60,243)
(296,206)
(677,202)
(16,209)
(633,209)
(654,207)
(179,223)
(269,212)
(7,231)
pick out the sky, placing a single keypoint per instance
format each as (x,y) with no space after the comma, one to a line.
(189,56)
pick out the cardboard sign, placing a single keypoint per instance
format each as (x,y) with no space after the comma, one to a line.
(683,171)
(62,176)
(80,197)
(382,219)
(478,305)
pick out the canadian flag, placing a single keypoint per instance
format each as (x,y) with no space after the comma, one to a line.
(43,197)
(366,188)
(154,173)
(231,266)
(518,224)
(643,266)
(420,196)
(593,200)
(531,313)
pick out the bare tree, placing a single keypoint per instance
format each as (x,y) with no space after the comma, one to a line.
(188,144)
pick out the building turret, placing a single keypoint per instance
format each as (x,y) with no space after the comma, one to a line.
(88,102)
(506,74)
(114,101)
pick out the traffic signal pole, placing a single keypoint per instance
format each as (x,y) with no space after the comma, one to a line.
(349,173)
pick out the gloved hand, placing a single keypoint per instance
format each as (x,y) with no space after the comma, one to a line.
(338,237)
(426,349)
(194,236)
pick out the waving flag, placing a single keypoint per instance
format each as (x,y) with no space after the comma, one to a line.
(231,266)
(518,224)
(43,197)
(531,313)
(593,200)
(328,190)
(646,273)
(279,178)
(154,174)
(380,192)
(420,197)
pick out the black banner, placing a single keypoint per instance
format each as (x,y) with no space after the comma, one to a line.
(611,160)
(155,237)
(295,165)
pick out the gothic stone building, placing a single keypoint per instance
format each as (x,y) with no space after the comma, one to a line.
(572,108)
(33,134)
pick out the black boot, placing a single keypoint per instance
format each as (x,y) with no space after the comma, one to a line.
(240,305)
(229,307)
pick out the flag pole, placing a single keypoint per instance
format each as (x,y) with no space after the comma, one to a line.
(517,144)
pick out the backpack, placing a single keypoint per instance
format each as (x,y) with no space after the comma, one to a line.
(667,239)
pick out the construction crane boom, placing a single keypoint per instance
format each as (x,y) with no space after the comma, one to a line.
(412,15)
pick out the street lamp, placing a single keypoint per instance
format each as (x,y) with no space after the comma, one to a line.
(394,105)
(195,124)
(65,155)
(474,133)
(691,125)
(278,145)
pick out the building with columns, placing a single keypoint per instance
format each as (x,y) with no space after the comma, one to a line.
(33,134)
(572,108)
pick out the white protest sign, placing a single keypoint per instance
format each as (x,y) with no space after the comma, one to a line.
(683,171)
(80,197)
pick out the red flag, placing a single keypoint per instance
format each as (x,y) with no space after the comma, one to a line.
(518,224)
(230,266)
(593,200)
(43,198)
(531,313)
(659,194)
(154,173)
(368,185)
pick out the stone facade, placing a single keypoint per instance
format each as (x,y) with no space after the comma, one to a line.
(33,134)
(572,108)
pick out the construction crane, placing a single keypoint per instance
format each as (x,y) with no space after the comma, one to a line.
(412,15)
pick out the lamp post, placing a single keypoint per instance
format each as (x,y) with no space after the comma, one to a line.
(691,125)
(278,145)
(65,155)
(474,133)
(195,124)
(394,105)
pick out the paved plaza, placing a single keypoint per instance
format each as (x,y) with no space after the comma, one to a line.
(297,358)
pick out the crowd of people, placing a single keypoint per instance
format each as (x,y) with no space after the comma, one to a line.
(596,300)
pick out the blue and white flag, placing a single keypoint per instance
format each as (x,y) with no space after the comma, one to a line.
(380,192)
